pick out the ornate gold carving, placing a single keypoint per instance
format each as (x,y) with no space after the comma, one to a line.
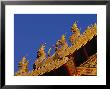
(41,55)
(23,67)
(76,32)
(45,64)
(89,67)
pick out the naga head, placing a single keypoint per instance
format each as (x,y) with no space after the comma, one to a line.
(63,37)
(42,48)
(41,51)
(61,41)
(23,62)
(74,27)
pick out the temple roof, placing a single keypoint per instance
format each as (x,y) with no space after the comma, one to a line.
(52,63)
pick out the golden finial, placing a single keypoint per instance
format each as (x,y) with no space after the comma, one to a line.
(95,25)
(41,51)
(74,25)
(63,37)
(23,64)
(24,59)
(42,47)
(49,51)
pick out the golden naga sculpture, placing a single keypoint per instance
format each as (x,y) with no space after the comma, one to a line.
(41,52)
(41,55)
(63,55)
(61,45)
(76,32)
(23,67)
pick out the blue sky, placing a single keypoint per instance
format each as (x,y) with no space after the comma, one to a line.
(30,30)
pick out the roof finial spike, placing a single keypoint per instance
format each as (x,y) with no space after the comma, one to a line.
(63,37)
(74,25)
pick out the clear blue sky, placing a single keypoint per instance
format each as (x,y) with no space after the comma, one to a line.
(30,30)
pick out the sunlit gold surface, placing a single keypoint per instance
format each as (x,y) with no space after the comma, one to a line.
(46,64)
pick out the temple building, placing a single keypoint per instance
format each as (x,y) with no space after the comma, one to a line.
(79,59)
